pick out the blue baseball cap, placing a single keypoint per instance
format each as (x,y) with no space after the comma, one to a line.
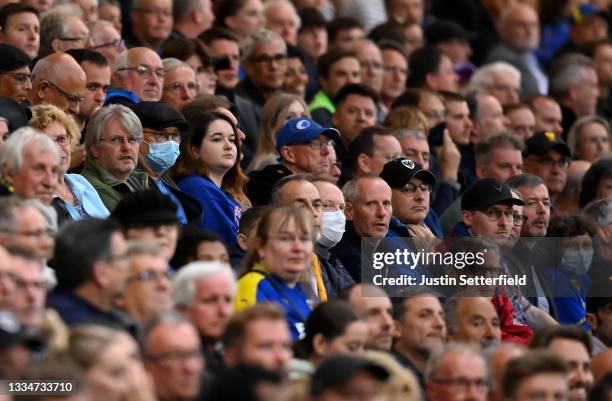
(302,130)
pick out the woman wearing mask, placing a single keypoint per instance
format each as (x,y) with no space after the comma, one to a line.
(569,259)
(209,170)
(276,264)
(75,197)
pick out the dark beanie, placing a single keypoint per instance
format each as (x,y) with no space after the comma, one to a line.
(147,208)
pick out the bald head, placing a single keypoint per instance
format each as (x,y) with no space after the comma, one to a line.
(602,364)
(147,86)
(58,80)
(520,27)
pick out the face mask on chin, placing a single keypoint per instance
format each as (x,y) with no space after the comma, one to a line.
(332,228)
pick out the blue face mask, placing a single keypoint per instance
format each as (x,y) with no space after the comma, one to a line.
(162,155)
(577,262)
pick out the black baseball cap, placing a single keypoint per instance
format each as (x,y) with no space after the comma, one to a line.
(336,371)
(158,115)
(488,192)
(442,31)
(148,208)
(542,142)
(13,333)
(401,170)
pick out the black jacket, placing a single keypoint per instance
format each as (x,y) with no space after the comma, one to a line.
(260,183)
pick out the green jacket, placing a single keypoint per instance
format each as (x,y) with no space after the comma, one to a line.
(321,100)
(110,189)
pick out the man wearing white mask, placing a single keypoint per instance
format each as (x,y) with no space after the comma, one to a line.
(329,276)
(162,127)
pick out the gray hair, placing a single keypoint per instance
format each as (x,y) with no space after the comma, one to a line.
(599,211)
(114,112)
(525,180)
(53,25)
(262,37)
(269,4)
(171,63)
(171,317)
(404,133)
(434,363)
(574,132)
(569,70)
(121,62)
(95,28)
(350,191)
(185,280)
(484,76)
(9,206)
(11,156)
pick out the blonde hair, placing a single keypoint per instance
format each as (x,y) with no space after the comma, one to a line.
(44,115)
(269,126)
(402,384)
(86,343)
(406,117)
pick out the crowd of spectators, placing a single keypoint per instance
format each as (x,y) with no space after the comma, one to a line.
(193,195)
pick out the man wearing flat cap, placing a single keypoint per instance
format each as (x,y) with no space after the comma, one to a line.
(411,188)
(162,128)
(547,156)
(304,147)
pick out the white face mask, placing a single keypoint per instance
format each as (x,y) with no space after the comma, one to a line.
(332,228)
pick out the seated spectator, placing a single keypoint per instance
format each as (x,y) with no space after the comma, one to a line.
(333,328)
(74,198)
(30,162)
(242,18)
(355,109)
(16,350)
(472,320)
(222,46)
(453,40)
(352,376)
(598,318)
(304,147)
(370,60)
(114,134)
(500,80)
(12,117)
(297,80)
(498,360)
(572,345)
(191,19)
(431,69)
(276,112)
(15,77)
(138,74)
(343,32)
(28,303)
(7,281)
(110,10)
(374,306)
(282,17)
(196,244)
(105,39)
(149,290)
(596,182)
(204,294)
(258,336)
(420,330)
(149,215)
(180,84)
(172,356)
(277,259)
(149,29)
(368,213)
(209,170)
(589,138)
(369,152)
(24,224)
(62,29)
(246,232)
(432,105)
(588,23)
(521,120)
(395,72)
(487,116)
(547,114)
(99,351)
(58,79)
(90,263)
(20,28)
(539,373)
(411,186)
(192,52)
(98,73)
(162,127)
(568,200)
(335,69)
(601,373)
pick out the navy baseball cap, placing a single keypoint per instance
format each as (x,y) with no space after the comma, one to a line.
(302,130)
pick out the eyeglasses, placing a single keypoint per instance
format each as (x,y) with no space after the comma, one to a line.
(151,11)
(145,71)
(20,77)
(319,143)
(62,140)
(163,136)
(120,140)
(548,162)
(150,275)
(177,87)
(371,65)
(495,214)
(21,284)
(411,188)
(72,99)
(462,384)
(73,39)
(264,58)
(519,219)
(118,43)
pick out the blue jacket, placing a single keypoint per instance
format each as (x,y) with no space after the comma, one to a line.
(570,296)
(221,212)
(86,196)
